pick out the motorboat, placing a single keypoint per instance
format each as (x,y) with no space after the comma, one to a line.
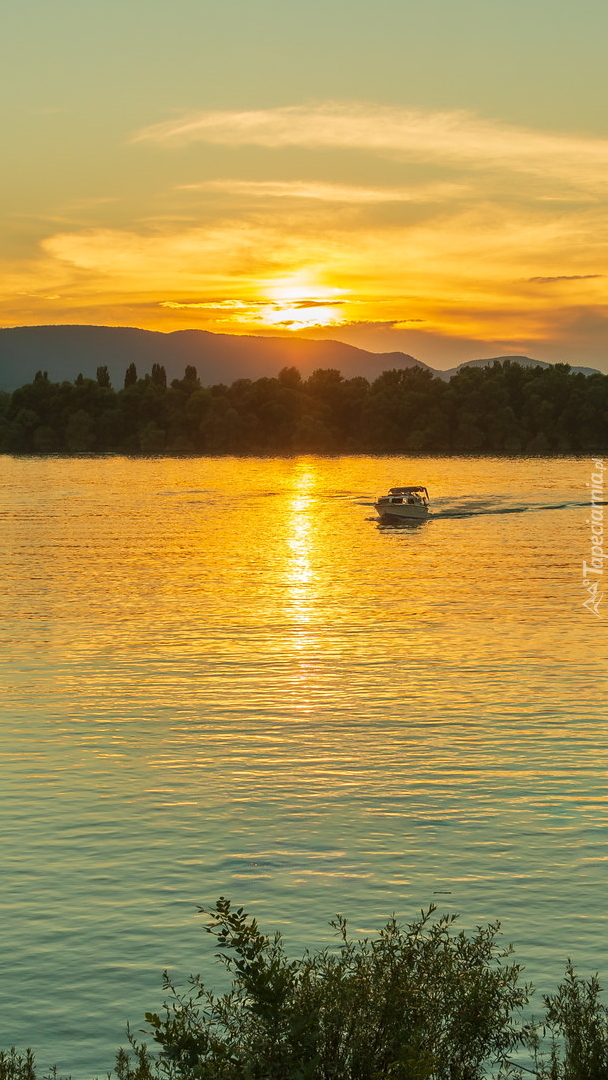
(404,503)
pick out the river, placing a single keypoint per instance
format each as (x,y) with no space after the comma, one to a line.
(225,676)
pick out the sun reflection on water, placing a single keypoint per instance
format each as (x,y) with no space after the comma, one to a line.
(300,538)
(301,595)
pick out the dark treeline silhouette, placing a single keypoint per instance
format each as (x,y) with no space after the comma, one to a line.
(501,409)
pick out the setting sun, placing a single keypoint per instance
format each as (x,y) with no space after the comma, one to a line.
(297,303)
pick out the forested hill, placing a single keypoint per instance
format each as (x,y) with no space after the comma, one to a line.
(64,351)
(504,408)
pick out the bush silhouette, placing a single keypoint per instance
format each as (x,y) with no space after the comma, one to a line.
(420,1002)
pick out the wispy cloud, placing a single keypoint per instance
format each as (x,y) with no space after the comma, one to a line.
(455,136)
(207,305)
(328,192)
(563,277)
(264,311)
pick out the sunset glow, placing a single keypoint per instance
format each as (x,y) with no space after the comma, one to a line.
(445,215)
(297,304)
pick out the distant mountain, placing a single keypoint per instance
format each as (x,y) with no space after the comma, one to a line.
(67,351)
(524,361)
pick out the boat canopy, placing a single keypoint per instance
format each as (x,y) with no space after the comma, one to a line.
(412,490)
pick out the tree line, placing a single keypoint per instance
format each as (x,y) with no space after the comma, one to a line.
(500,409)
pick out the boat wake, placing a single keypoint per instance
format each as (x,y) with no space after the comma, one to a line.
(471,507)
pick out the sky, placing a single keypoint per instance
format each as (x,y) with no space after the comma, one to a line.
(428,177)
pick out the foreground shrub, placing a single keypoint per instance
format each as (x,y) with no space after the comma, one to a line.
(21,1066)
(578,1024)
(420,1003)
(16,1066)
(424,1002)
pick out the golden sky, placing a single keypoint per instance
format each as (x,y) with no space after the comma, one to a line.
(430,180)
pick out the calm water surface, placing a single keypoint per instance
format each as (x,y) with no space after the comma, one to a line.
(224,676)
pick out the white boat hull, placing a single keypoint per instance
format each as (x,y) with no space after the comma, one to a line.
(401,511)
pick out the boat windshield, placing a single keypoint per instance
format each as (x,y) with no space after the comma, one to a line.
(420,493)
